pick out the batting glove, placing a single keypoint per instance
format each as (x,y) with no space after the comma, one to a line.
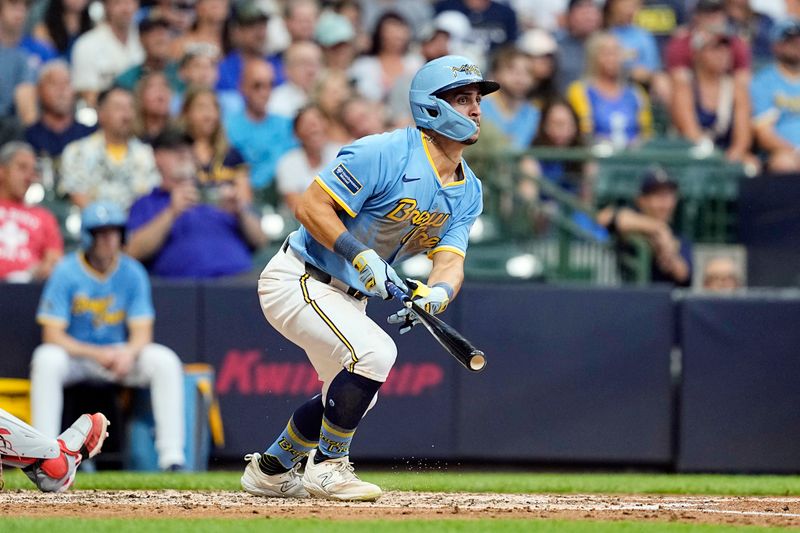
(374,272)
(434,300)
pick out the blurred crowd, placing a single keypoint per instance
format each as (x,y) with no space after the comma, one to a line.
(188,113)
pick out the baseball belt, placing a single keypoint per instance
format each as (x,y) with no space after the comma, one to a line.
(323,277)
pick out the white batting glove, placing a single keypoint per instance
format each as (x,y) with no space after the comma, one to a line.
(374,272)
(434,300)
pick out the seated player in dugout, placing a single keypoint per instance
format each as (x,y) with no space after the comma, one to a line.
(383,199)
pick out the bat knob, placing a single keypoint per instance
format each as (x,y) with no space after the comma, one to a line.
(477,361)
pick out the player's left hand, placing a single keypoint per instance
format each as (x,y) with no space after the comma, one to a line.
(434,300)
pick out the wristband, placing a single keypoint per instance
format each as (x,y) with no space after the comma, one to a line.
(447,288)
(348,246)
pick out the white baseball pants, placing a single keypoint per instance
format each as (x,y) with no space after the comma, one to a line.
(157,368)
(331,326)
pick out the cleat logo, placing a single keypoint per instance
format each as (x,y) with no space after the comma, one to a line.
(286,486)
(326,479)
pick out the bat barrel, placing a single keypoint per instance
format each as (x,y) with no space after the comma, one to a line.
(477,361)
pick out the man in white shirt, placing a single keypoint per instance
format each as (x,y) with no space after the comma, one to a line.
(102,54)
(303,64)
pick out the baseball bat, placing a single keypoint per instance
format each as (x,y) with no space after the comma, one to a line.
(451,340)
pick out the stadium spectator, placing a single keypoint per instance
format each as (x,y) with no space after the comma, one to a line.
(722,274)
(250,19)
(351,10)
(335,35)
(332,91)
(434,43)
(217,161)
(30,241)
(13,15)
(416,13)
(96,313)
(111,164)
(651,218)
(388,61)
(508,108)
(708,16)
(708,106)
(558,129)
(261,138)
(300,18)
(178,13)
(152,102)
(297,168)
(17,75)
(156,40)
(108,50)
(361,117)
(199,68)
(662,18)
(494,23)
(540,47)
(545,15)
(583,18)
(642,61)
(56,126)
(63,22)
(302,63)
(214,227)
(775,92)
(752,27)
(610,109)
(209,28)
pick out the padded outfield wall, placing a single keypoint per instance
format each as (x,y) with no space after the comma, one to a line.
(574,376)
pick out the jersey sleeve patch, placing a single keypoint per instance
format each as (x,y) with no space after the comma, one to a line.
(347,178)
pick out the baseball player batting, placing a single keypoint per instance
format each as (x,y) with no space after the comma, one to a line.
(383,199)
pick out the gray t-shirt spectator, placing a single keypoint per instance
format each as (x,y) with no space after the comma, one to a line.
(571,56)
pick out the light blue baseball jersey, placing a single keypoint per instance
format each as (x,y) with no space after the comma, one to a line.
(393,201)
(96,307)
(777,98)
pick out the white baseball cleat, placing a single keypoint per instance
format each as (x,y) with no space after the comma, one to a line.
(286,485)
(335,479)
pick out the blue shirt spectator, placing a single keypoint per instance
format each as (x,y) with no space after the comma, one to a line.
(51,143)
(493,23)
(519,127)
(776,97)
(15,70)
(640,47)
(204,233)
(261,143)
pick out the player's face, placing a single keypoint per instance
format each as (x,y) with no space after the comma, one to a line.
(467,101)
(107,243)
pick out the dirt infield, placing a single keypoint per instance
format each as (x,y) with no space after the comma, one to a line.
(404,505)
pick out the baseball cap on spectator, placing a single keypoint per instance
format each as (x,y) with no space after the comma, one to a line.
(709,6)
(253,11)
(785,29)
(198,49)
(453,23)
(332,29)
(656,179)
(537,42)
(150,23)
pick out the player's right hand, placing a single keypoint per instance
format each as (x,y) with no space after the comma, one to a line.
(374,272)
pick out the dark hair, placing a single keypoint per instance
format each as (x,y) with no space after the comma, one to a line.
(104,94)
(504,57)
(54,22)
(172,138)
(541,138)
(377,40)
(302,111)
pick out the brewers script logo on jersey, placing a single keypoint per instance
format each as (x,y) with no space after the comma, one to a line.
(406,210)
(99,308)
